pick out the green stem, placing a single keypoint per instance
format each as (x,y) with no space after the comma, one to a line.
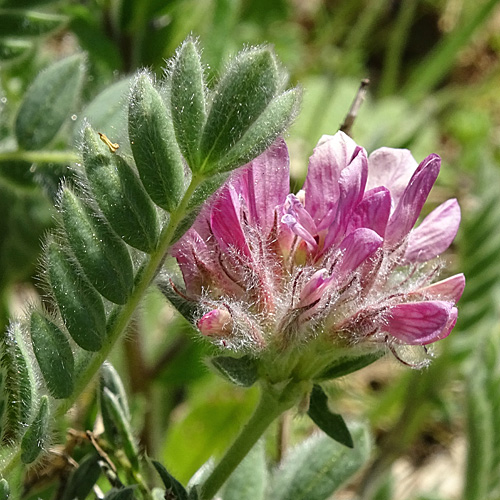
(271,406)
(40,156)
(123,314)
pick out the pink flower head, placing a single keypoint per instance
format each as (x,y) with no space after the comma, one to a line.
(339,263)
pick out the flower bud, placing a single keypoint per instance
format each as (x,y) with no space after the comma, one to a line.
(216,323)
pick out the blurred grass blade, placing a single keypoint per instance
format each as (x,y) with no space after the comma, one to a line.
(483,423)
(437,64)
(12,48)
(21,23)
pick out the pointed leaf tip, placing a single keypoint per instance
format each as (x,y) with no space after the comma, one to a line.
(330,423)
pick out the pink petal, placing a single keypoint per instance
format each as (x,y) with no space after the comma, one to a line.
(265,184)
(330,157)
(408,209)
(450,289)
(373,211)
(225,221)
(452,321)
(216,323)
(184,251)
(299,221)
(435,234)
(356,248)
(419,323)
(352,185)
(391,168)
(314,288)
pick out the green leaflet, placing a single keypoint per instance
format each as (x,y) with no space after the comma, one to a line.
(122,494)
(109,379)
(113,406)
(4,490)
(80,305)
(54,356)
(187,101)
(37,433)
(156,153)
(171,484)
(102,255)
(260,135)
(19,383)
(82,480)
(330,423)
(319,466)
(240,371)
(349,364)
(249,480)
(49,102)
(247,112)
(120,195)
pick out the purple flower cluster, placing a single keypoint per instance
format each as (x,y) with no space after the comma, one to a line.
(339,261)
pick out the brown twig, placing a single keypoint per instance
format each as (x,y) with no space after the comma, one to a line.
(354,109)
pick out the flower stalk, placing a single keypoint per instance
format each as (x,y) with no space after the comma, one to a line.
(273,403)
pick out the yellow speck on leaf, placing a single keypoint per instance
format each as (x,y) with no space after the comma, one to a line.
(113,146)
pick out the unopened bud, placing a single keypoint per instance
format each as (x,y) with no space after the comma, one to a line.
(216,323)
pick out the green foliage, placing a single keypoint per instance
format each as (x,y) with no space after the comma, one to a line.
(240,371)
(187,101)
(241,124)
(102,255)
(19,384)
(82,479)
(49,102)
(53,353)
(328,47)
(154,145)
(122,425)
(319,466)
(37,433)
(349,364)
(172,486)
(80,305)
(121,494)
(249,480)
(4,490)
(28,23)
(120,195)
(330,423)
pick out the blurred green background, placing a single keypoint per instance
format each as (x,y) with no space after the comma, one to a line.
(435,87)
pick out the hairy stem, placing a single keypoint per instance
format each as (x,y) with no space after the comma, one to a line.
(270,407)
